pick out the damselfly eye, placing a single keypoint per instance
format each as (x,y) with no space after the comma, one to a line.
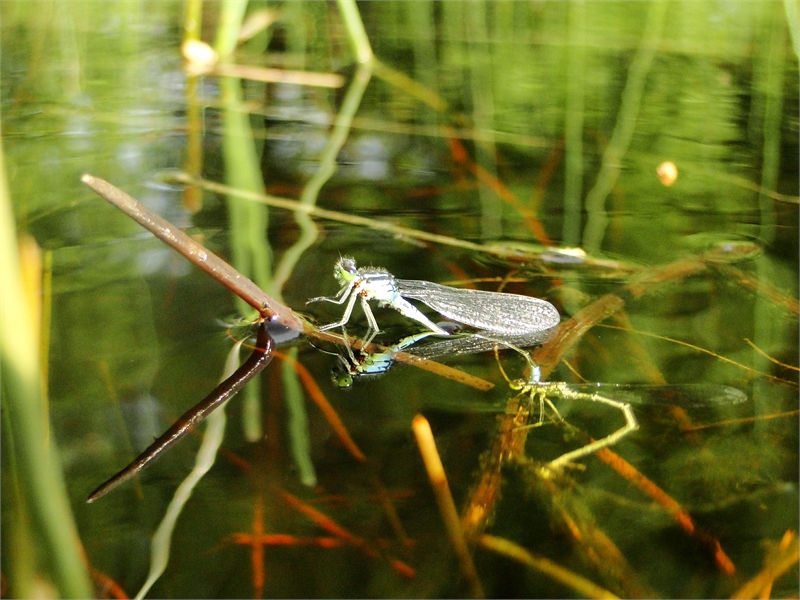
(349,265)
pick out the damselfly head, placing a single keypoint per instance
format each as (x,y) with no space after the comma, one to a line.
(344,269)
(341,378)
(348,264)
(341,372)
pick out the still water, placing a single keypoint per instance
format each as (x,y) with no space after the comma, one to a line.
(634,164)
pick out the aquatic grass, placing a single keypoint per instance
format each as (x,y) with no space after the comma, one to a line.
(357,35)
(192,25)
(333,145)
(574,125)
(34,490)
(251,253)
(770,78)
(327,167)
(308,229)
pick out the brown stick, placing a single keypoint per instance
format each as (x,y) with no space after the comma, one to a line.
(196,253)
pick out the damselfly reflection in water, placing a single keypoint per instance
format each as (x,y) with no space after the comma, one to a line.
(377,363)
(358,364)
(499,313)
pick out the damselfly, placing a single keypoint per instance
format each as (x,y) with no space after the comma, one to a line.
(507,314)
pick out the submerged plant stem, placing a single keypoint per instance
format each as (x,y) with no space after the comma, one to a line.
(441,489)
(543,565)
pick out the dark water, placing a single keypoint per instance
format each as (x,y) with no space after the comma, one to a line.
(512,125)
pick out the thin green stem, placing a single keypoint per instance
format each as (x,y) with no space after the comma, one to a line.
(38,473)
(359,41)
(597,220)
